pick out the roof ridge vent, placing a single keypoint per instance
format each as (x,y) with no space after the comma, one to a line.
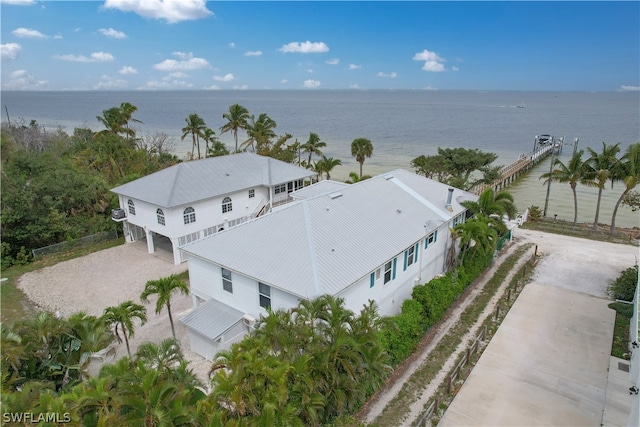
(335,195)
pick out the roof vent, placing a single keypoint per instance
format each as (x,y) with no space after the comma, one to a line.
(388,177)
(449,197)
(335,195)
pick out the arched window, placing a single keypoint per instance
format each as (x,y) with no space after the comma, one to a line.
(226,205)
(189,215)
(160,216)
(132,207)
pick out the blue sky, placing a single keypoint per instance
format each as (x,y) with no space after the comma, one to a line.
(193,44)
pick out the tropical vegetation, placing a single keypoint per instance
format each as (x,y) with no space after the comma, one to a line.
(360,149)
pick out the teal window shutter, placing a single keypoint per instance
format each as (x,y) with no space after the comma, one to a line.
(426,242)
(415,253)
(372,279)
(406,256)
(435,236)
(393,274)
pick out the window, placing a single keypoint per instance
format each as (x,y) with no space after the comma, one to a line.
(189,215)
(226,205)
(410,256)
(388,272)
(160,216)
(252,193)
(431,238)
(280,188)
(226,281)
(132,207)
(265,295)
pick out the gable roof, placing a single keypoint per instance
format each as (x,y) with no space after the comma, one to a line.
(196,180)
(323,244)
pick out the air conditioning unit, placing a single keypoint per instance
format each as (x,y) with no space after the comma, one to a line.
(248,320)
(118,214)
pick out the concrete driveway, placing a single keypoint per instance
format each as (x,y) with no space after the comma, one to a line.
(548,364)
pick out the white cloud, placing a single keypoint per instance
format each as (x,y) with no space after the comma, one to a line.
(304,47)
(20,79)
(9,51)
(241,87)
(167,82)
(57,36)
(227,78)
(309,70)
(28,33)
(94,57)
(283,81)
(354,86)
(391,75)
(172,11)
(354,66)
(232,45)
(19,2)
(311,83)
(114,34)
(212,87)
(187,62)
(178,75)
(127,69)
(333,61)
(253,53)
(626,88)
(454,68)
(429,88)
(432,62)
(108,82)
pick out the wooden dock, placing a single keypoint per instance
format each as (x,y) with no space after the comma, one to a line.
(524,163)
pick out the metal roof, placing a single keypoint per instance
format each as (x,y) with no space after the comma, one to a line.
(322,187)
(324,244)
(196,180)
(212,318)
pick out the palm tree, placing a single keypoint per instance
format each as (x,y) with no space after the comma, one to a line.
(122,317)
(127,109)
(600,169)
(164,288)
(492,203)
(326,165)
(573,173)
(237,118)
(478,234)
(629,173)
(313,146)
(354,177)
(195,126)
(361,148)
(260,132)
(209,136)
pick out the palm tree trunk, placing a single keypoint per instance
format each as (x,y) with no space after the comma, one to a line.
(360,170)
(193,145)
(595,221)
(126,339)
(198,141)
(575,205)
(173,330)
(612,231)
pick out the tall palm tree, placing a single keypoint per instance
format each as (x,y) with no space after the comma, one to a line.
(313,146)
(164,288)
(209,136)
(237,118)
(326,164)
(122,317)
(260,132)
(127,109)
(361,148)
(629,173)
(572,173)
(477,235)
(113,120)
(491,203)
(195,126)
(600,170)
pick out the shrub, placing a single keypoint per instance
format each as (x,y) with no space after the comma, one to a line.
(624,287)
(534,213)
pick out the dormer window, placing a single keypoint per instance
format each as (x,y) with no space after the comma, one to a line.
(132,207)
(227,206)
(160,216)
(189,215)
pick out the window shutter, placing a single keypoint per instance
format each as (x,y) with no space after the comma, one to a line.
(406,256)
(435,236)
(415,253)
(372,279)
(393,273)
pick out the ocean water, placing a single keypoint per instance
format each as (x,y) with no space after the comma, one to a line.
(401,125)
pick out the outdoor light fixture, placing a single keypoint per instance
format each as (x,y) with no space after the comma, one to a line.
(635,344)
(633,390)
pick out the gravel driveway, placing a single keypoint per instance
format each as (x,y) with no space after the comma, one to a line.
(107,278)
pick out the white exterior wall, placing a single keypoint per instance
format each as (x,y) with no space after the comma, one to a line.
(392,294)
(206,282)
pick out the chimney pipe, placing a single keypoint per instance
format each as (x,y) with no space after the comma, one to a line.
(449,196)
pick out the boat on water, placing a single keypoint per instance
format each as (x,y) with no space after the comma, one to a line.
(521,106)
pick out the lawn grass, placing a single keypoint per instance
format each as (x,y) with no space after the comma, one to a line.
(14,304)
(620,342)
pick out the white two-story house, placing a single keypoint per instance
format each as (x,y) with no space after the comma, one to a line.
(373,240)
(195,199)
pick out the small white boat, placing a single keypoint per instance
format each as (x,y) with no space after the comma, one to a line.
(521,106)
